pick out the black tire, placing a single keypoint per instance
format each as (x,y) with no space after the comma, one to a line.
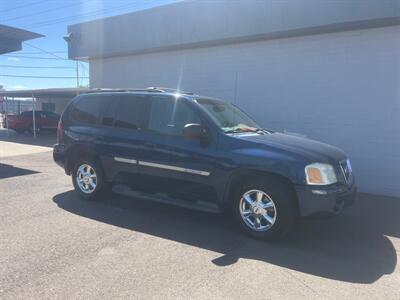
(101,184)
(283,200)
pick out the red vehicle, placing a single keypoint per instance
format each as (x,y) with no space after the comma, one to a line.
(24,122)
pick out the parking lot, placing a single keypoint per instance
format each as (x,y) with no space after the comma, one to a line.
(55,245)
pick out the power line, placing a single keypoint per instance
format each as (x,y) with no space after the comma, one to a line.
(23,6)
(50,53)
(33,57)
(23,53)
(35,67)
(79,16)
(44,51)
(46,77)
(43,11)
(73,17)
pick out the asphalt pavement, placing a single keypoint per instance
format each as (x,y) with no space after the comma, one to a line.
(54,245)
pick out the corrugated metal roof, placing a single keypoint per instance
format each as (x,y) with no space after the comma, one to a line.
(11,38)
(58,92)
(17,34)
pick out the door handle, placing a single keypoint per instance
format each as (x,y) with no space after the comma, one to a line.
(149,145)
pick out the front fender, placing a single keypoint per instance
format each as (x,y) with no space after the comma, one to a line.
(249,162)
(277,162)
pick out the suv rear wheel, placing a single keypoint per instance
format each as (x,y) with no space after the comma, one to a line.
(88,178)
(264,208)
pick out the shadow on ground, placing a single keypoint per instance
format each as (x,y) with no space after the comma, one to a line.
(44,138)
(7,171)
(352,247)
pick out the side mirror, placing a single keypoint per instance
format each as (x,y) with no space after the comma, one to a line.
(193,131)
(197,132)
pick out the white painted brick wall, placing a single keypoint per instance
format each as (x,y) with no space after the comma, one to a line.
(340,88)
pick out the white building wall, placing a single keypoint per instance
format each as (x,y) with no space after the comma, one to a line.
(340,88)
(60,103)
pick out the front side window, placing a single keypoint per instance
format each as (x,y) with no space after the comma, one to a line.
(169,115)
(51,115)
(48,106)
(28,114)
(228,117)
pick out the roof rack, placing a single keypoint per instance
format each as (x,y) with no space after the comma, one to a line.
(168,90)
(100,90)
(149,89)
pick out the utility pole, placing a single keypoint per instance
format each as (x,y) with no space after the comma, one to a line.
(6,114)
(77,74)
(33,116)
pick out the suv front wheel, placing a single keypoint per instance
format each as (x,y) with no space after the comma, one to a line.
(88,179)
(264,208)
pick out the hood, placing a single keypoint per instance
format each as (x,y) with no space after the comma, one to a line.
(313,151)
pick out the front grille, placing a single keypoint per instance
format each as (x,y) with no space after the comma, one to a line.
(346,170)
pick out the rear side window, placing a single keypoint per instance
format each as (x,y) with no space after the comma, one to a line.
(107,113)
(87,110)
(28,114)
(132,112)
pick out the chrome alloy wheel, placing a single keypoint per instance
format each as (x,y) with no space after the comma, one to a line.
(86,178)
(258,210)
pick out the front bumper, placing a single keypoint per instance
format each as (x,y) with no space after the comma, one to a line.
(320,200)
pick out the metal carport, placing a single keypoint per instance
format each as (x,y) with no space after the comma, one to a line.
(11,38)
(36,93)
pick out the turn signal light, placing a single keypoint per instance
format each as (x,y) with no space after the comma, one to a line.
(314,175)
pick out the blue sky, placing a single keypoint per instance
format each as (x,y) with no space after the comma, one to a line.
(50,18)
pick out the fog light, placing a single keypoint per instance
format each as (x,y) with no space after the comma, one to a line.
(319,192)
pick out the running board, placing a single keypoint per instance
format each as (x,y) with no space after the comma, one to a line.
(160,198)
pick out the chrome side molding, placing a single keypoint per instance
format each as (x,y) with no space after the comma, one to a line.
(126,160)
(161,166)
(173,168)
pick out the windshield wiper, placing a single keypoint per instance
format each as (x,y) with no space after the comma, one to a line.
(244,130)
(239,130)
(264,130)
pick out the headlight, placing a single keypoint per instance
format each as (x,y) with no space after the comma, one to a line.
(320,174)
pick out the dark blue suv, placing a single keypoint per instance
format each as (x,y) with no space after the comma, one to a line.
(199,152)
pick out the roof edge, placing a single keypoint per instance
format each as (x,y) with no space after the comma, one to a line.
(324,29)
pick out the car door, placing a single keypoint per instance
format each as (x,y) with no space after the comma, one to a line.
(84,125)
(51,120)
(45,120)
(25,119)
(41,119)
(123,135)
(171,163)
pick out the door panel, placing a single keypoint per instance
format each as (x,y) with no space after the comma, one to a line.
(124,136)
(171,163)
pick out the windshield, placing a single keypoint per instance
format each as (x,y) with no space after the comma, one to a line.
(228,117)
